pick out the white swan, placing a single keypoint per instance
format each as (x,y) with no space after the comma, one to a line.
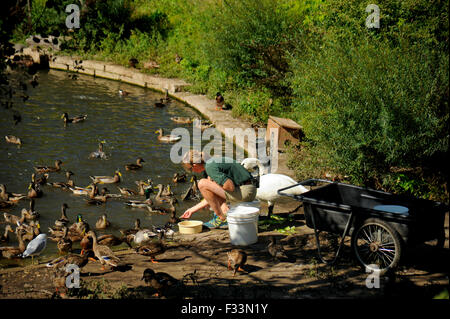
(270,183)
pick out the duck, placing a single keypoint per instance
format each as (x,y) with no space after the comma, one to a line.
(123,92)
(163,210)
(202,125)
(67,184)
(126,191)
(34,191)
(80,226)
(193,191)
(10,197)
(13,219)
(13,139)
(31,214)
(70,259)
(275,249)
(132,231)
(99,153)
(63,221)
(160,198)
(236,260)
(64,245)
(76,190)
(219,101)
(133,62)
(144,187)
(35,247)
(5,237)
(111,240)
(102,222)
(47,169)
(6,204)
(178,58)
(167,138)
(104,254)
(98,199)
(31,231)
(140,203)
(160,103)
(14,251)
(270,183)
(142,236)
(179,178)
(160,281)
(153,249)
(138,165)
(181,120)
(41,180)
(76,119)
(107,179)
(166,98)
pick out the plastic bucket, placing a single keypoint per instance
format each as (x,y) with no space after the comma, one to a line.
(243,224)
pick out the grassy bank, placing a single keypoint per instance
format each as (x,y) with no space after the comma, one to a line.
(373,102)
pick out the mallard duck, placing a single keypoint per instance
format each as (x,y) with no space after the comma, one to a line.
(13,139)
(163,210)
(76,119)
(219,101)
(34,191)
(81,190)
(6,204)
(153,249)
(269,184)
(99,153)
(144,186)
(202,125)
(13,219)
(41,180)
(80,226)
(138,165)
(123,92)
(70,259)
(31,231)
(143,236)
(31,214)
(64,245)
(63,220)
(133,62)
(137,227)
(107,179)
(173,219)
(10,197)
(111,240)
(275,249)
(35,247)
(181,120)
(67,185)
(97,199)
(104,254)
(102,222)
(14,251)
(164,194)
(179,178)
(236,260)
(167,138)
(5,237)
(47,169)
(126,191)
(160,103)
(159,281)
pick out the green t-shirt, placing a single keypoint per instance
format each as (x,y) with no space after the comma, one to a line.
(222,168)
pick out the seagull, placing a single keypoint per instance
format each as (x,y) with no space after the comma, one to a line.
(35,247)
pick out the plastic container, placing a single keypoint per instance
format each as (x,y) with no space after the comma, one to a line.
(243,224)
(190,227)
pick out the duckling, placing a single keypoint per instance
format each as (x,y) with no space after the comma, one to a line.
(47,169)
(236,259)
(159,281)
(107,179)
(102,222)
(160,103)
(13,139)
(104,254)
(276,250)
(167,138)
(181,120)
(179,178)
(99,153)
(123,92)
(138,165)
(219,101)
(64,245)
(5,237)
(76,119)
(153,249)
(137,227)
(34,191)
(14,251)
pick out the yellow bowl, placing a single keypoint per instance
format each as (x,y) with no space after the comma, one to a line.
(190,227)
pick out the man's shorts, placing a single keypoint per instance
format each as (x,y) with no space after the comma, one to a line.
(243,193)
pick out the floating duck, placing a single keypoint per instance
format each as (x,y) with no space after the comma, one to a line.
(76,190)
(236,260)
(13,139)
(10,197)
(163,195)
(160,103)
(123,93)
(181,120)
(102,222)
(13,219)
(30,231)
(76,119)
(13,251)
(5,237)
(99,153)
(67,184)
(63,221)
(41,180)
(163,210)
(107,179)
(193,191)
(138,165)
(64,245)
(132,231)
(179,178)
(98,199)
(167,138)
(202,125)
(35,247)
(34,191)
(160,281)
(31,214)
(47,169)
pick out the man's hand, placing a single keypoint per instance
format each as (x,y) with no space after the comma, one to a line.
(228,185)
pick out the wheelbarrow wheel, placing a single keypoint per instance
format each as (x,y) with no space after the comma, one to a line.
(377,245)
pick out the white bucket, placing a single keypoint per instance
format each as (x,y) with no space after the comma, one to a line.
(243,224)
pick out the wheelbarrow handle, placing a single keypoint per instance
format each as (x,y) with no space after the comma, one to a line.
(308,182)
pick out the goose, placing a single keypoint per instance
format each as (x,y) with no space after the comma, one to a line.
(47,169)
(135,166)
(13,139)
(76,119)
(99,153)
(236,260)
(107,179)
(104,254)
(270,183)
(35,247)
(167,138)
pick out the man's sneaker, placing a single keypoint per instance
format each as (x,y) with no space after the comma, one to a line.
(216,222)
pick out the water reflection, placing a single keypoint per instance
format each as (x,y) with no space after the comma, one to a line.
(127,127)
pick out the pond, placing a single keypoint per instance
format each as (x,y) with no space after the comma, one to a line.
(126,124)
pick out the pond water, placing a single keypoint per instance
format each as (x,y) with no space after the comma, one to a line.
(126,124)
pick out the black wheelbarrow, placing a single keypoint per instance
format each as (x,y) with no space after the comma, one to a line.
(381,224)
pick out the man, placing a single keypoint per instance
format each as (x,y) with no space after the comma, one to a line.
(227,181)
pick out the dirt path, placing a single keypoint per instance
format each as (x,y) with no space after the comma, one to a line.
(423,273)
